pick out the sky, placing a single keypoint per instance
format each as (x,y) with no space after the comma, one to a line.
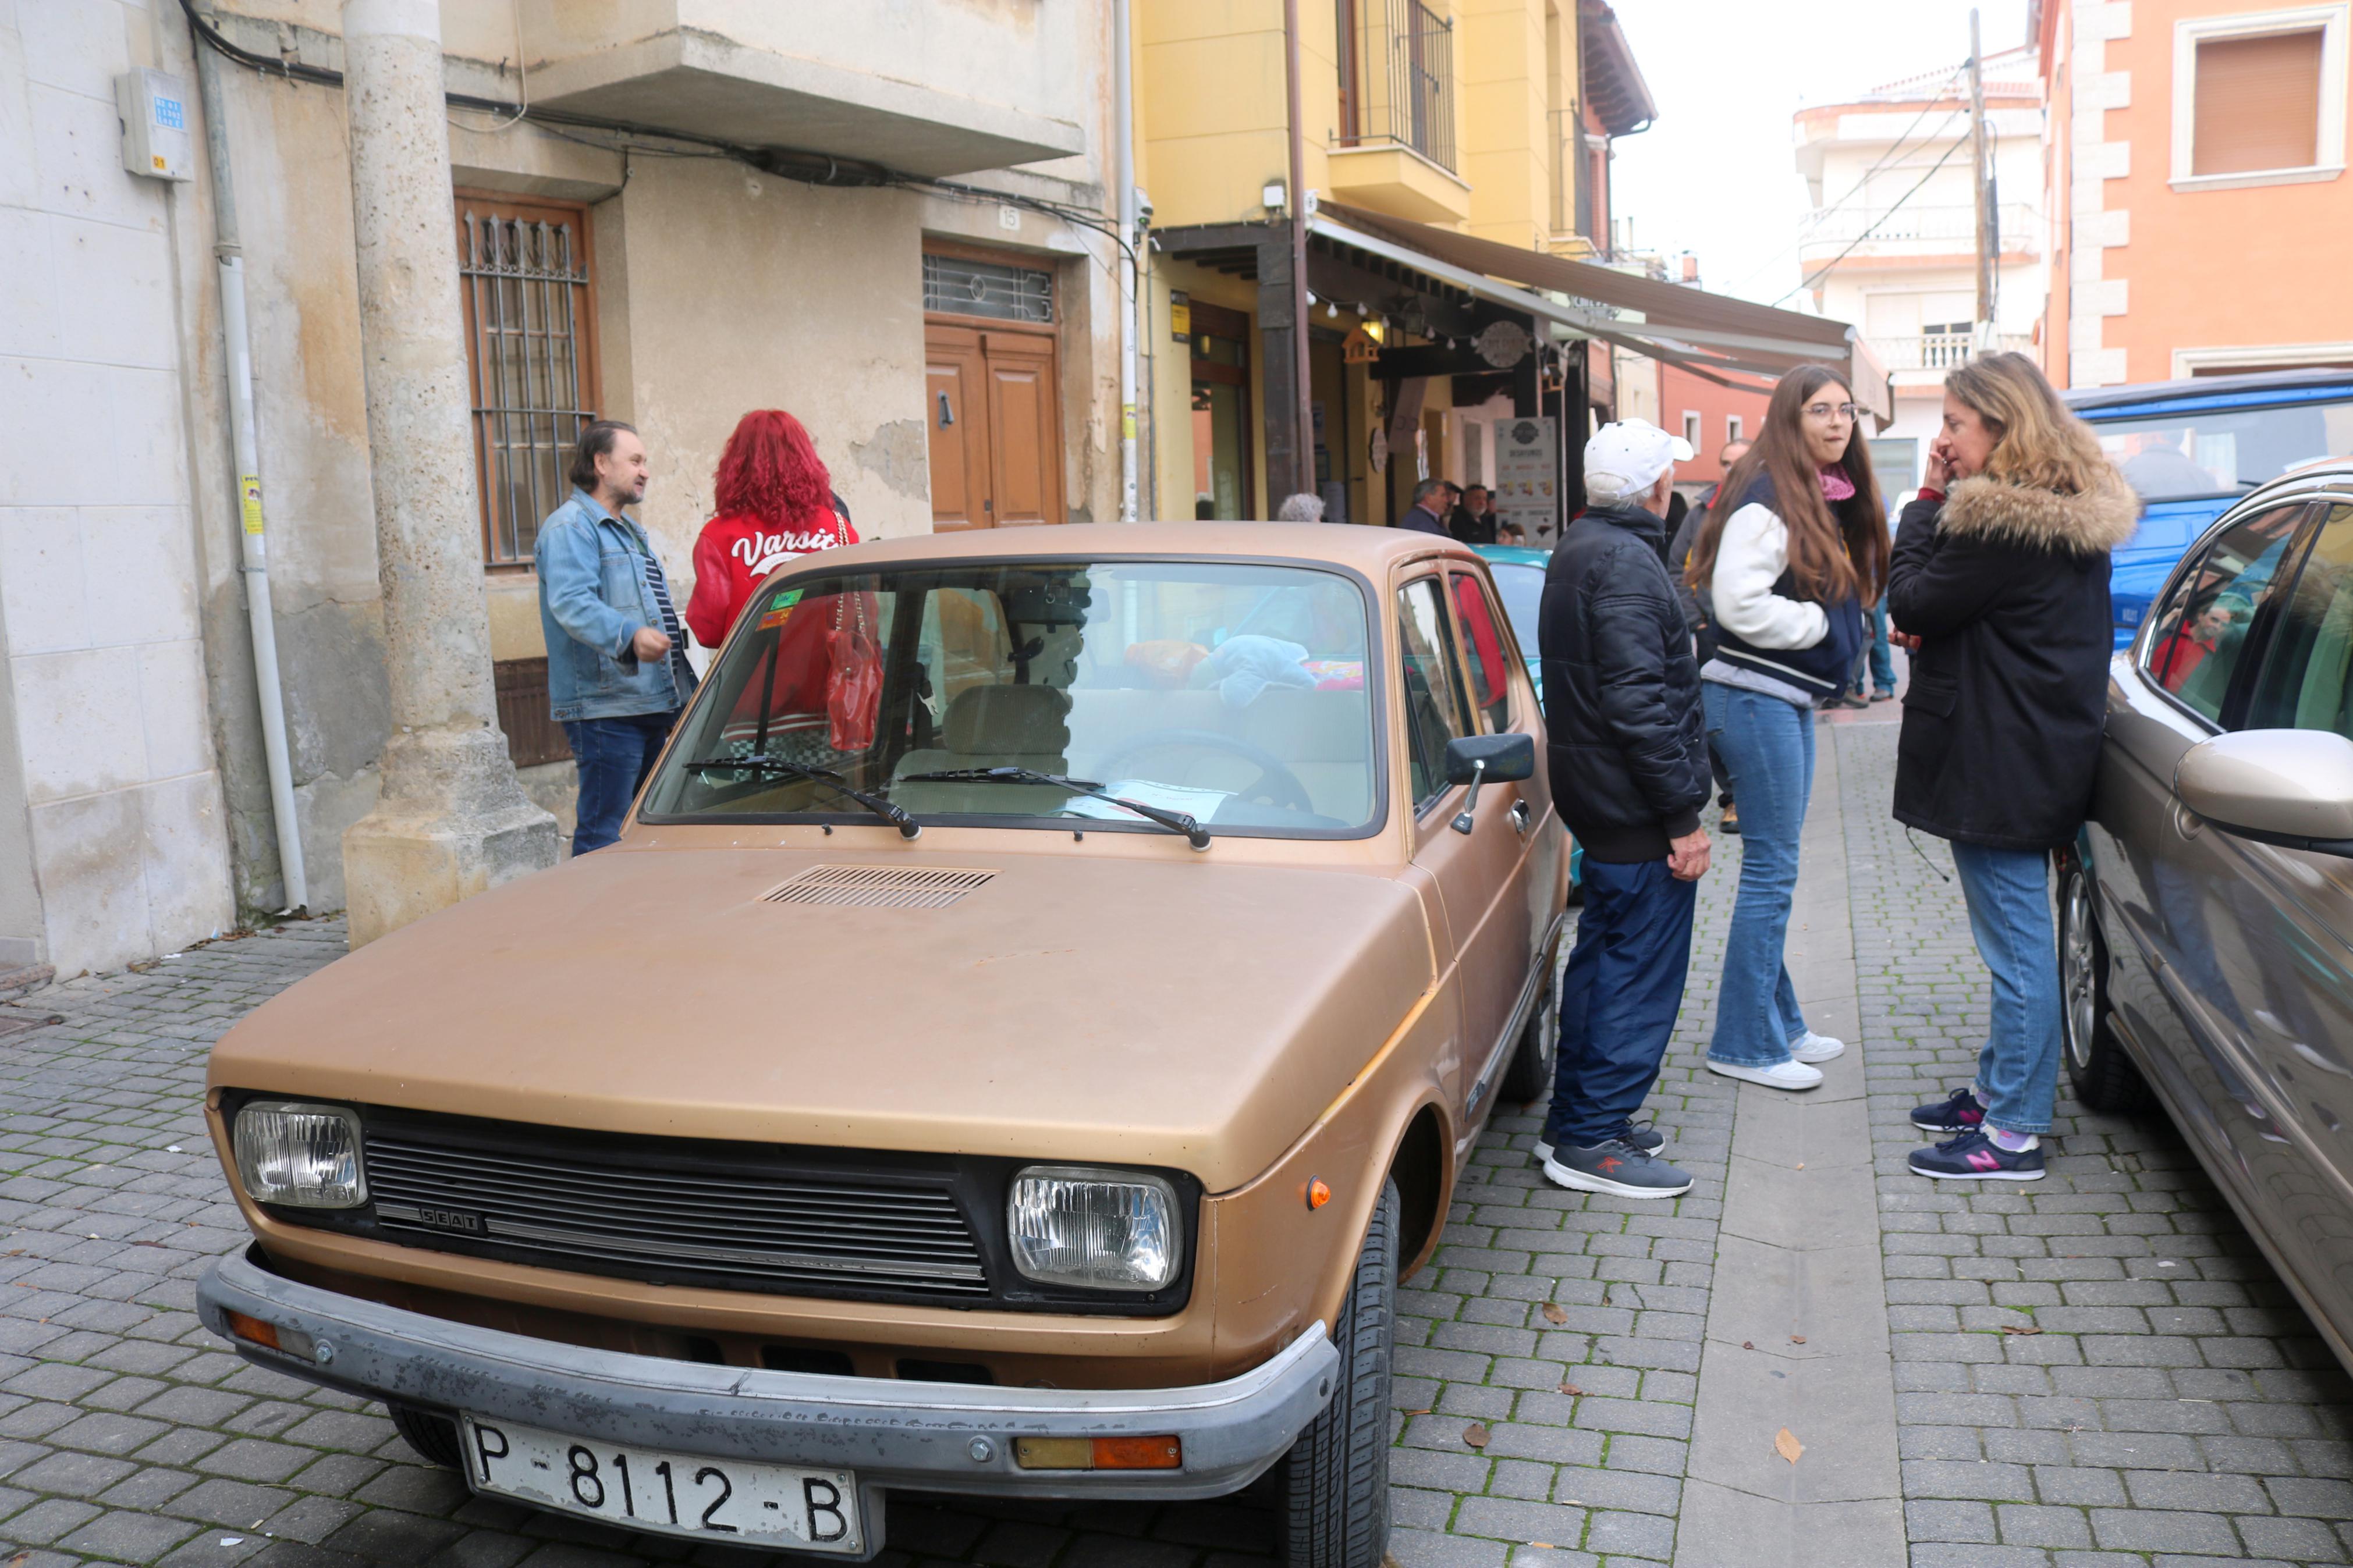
(1716,174)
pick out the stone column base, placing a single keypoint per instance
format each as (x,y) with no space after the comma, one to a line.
(452,823)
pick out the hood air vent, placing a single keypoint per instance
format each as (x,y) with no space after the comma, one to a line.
(878,887)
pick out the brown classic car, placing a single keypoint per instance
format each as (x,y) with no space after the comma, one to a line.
(1031,1021)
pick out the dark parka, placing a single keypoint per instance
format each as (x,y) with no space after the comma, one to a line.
(1627,743)
(2007,587)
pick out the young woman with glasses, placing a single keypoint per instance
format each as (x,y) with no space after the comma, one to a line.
(1795,546)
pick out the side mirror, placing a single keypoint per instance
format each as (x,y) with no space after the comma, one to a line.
(2289,787)
(1474,759)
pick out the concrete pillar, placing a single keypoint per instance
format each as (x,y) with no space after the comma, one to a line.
(453,822)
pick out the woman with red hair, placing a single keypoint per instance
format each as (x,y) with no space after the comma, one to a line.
(775,501)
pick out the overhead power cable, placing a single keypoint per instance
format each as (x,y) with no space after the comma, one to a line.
(1892,208)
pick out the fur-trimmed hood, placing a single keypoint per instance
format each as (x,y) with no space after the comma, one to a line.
(2086,523)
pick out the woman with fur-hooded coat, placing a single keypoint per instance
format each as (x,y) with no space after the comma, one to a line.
(2001,589)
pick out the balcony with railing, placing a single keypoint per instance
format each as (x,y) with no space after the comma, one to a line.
(1936,353)
(1394,149)
(1913,231)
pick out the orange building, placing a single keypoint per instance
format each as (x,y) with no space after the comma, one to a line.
(1708,414)
(2195,185)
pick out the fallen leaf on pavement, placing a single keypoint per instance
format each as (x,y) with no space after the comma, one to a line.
(1797,1339)
(1802,1164)
(1555,1312)
(1570,1388)
(1541,1545)
(1747,1345)
(2019,1329)
(1475,1434)
(1424,1411)
(1785,1444)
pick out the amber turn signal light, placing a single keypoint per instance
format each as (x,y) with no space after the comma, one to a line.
(253,1329)
(1319,1193)
(1098,1453)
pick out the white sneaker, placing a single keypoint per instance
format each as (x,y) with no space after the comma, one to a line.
(1816,1048)
(1780,1075)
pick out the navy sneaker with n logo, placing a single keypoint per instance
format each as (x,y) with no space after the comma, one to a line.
(1959,1112)
(1975,1157)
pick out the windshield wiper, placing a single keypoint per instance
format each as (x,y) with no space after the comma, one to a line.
(907,825)
(1174,821)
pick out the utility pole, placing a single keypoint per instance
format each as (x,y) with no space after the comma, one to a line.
(1979,183)
(1302,410)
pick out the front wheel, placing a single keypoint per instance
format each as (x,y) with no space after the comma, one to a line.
(1336,1477)
(2099,1071)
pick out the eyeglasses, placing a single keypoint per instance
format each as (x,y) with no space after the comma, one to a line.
(1846,411)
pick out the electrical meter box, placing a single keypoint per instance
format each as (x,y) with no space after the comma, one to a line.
(154,109)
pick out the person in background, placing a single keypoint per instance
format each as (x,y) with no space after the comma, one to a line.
(1510,532)
(1426,515)
(617,669)
(1300,508)
(1695,614)
(1794,547)
(1473,522)
(775,502)
(2001,577)
(1628,770)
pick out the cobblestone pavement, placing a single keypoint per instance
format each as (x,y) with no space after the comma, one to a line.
(2164,1416)
(2099,1368)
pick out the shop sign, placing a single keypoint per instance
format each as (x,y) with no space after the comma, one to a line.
(1505,344)
(1180,316)
(1527,475)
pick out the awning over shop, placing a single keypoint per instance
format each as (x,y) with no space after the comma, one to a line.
(1709,335)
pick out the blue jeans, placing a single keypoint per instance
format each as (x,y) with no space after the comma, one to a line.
(1875,656)
(614,756)
(2009,894)
(1618,996)
(1768,744)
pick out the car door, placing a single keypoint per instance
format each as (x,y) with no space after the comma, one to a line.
(2283,919)
(1470,869)
(2171,887)
(1521,919)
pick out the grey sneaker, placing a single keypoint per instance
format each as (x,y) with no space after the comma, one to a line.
(1643,1136)
(1615,1167)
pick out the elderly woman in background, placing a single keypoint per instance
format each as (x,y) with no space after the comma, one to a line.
(1300,507)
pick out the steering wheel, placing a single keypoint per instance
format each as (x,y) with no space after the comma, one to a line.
(1276,785)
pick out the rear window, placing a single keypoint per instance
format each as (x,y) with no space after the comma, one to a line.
(2224,451)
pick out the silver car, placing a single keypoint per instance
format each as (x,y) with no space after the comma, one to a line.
(2206,916)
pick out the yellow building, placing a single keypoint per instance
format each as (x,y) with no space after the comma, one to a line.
(1455,157)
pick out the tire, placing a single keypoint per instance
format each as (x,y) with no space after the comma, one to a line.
(1529,1076)
(2099,1070)
(1336,1476)
(434,1438)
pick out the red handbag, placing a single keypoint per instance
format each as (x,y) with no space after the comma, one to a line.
(854,687)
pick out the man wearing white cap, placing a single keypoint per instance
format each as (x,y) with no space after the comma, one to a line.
(1628,755)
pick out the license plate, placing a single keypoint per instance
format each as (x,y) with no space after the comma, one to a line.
(676,1494)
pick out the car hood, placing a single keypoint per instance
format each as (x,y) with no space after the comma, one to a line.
(1164,1012)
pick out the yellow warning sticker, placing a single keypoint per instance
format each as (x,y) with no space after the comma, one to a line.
(248,488)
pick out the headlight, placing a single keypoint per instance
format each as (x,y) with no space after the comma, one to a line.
(305,1156)
(1101,1230)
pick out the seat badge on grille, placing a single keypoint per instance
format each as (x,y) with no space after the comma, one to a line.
(465,1222)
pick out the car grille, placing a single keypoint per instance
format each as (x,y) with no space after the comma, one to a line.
(607,1212)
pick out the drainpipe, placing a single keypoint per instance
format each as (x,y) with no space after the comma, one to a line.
(1123,171)
(229,252)
(1303,447)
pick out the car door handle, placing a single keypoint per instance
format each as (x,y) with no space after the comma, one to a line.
(1520,817)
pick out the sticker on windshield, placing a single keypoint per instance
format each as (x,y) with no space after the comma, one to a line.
(780,608)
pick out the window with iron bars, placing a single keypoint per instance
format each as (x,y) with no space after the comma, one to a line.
(526,272)
(1397,77)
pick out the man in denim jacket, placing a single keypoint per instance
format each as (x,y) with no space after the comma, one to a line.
(617,669)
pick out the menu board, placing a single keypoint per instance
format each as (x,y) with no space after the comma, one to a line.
(1527,476)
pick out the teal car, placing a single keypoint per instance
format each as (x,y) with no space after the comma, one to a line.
(1519,573)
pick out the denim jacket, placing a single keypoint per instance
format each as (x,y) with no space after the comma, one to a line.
(593,598)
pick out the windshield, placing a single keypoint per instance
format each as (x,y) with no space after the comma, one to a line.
(1232,694)
(2223,451)
(1522,588)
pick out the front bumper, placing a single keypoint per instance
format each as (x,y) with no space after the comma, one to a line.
(928,1436)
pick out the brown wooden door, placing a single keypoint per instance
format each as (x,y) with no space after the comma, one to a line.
(992,408)
(956,413)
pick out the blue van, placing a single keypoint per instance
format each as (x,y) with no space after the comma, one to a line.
(2193,447)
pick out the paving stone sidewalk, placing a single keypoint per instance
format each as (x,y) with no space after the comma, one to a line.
(2164,1417)
(2099,1368)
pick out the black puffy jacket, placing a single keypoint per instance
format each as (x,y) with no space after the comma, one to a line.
(2007,587)
(1627,743)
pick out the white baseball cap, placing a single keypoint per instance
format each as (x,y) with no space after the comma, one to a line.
(1626,460)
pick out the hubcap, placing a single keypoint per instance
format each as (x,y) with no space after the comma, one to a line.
(2077,965)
